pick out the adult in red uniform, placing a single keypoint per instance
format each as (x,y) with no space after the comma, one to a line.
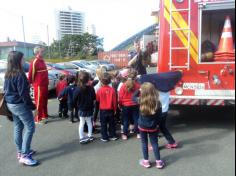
(38,77)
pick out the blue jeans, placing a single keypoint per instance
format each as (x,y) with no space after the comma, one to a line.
(127,113)
(154,142)
(23,118)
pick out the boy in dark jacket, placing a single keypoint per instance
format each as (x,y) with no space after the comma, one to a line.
(68,92)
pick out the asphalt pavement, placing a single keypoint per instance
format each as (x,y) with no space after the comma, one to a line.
(206,136)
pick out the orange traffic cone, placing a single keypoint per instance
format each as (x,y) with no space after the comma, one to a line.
(226,50)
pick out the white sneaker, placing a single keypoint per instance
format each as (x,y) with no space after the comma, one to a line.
(84,140)
(28,161)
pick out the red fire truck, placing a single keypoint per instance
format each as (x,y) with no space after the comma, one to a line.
(191,40)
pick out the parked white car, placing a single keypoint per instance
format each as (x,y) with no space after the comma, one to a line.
(86,64)
(103,64)
(81,67)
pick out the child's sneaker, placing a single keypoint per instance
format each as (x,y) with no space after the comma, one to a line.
(131,129)
(104,140)
(138,136)
(91,138)
(32,152)
(160,164)
(124,137)
(172,146)
(114,138)
(84,140)
(145,163)
(28,161)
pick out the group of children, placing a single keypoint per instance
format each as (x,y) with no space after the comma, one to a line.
(114,95)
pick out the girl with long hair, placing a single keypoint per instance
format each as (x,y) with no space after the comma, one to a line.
(149,121)
(84,98)
(17,96)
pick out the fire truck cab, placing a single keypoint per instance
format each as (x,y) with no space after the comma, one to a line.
(196,37)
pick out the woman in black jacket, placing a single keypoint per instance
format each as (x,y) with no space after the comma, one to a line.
(17,89)
(149,121)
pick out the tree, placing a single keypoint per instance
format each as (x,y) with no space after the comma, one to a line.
(77,46)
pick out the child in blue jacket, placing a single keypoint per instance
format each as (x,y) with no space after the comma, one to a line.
(68,92)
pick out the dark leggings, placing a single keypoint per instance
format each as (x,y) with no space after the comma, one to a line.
(130,112)
(96,111)
(164,129)
(154,142)
(63,108)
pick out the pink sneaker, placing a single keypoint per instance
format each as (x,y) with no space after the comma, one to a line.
(145,163)
(172,146)
(32,152)
(138,136)
(160,164)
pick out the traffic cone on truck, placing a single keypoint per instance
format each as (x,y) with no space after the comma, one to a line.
(226,50)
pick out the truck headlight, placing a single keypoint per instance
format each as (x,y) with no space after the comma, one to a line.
(179,90)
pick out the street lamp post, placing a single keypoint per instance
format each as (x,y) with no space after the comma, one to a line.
(59,43)
(49,52)
(23,29)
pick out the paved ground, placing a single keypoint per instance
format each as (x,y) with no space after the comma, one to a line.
(206,135)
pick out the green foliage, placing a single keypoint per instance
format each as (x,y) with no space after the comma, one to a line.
(66,59)
(76,46)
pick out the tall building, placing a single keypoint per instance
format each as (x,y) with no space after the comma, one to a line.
(91,29)
(69,22)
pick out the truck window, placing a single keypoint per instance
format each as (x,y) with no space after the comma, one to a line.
(213,18)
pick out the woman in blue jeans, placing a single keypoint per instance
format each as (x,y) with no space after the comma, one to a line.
(17,89)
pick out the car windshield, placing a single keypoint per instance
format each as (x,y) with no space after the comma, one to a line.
(67,66)
(79,64)
(94,63)
(85,63)
(59,67)
(88,63)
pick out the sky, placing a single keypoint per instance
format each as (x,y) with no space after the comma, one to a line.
(115,20)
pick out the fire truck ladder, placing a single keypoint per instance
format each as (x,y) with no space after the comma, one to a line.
(183,30)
